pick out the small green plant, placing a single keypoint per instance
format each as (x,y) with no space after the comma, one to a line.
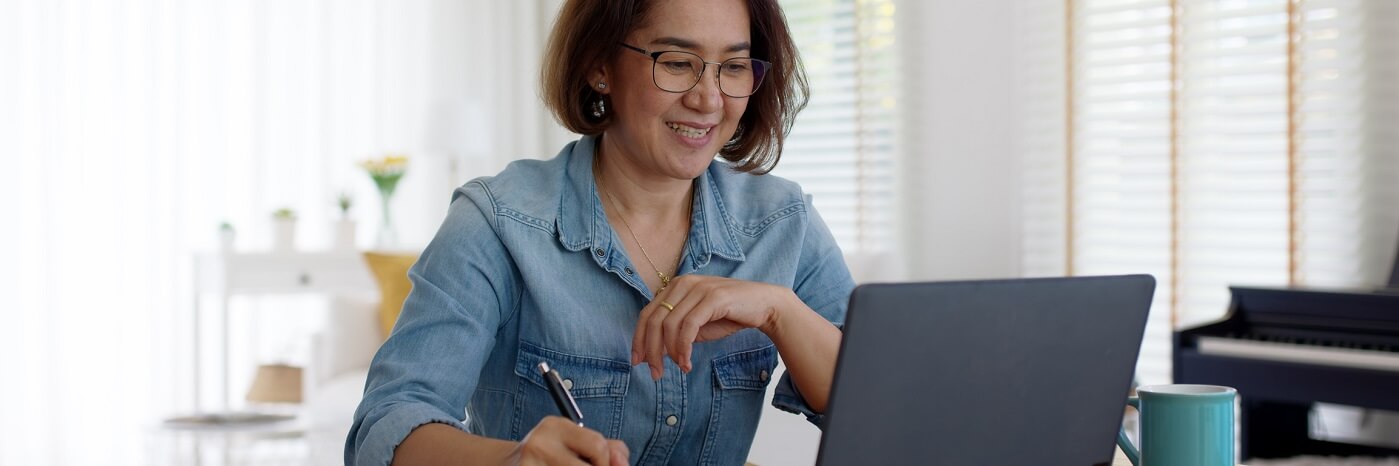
(344,201)
(284,214)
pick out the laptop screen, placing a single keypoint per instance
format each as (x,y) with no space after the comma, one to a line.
(1031,371)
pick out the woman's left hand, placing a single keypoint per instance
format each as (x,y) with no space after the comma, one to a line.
(697,308)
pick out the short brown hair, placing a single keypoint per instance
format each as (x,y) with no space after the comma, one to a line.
(585,36)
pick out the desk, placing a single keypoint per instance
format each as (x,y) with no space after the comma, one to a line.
(1119,459)
(269,444)
(228,274)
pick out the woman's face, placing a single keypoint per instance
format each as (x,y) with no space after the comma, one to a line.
(676,135)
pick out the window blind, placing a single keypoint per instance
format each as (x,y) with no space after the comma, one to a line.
(1234,155)
(1348,141)
(1209,143)
(841,149)
(1121,138)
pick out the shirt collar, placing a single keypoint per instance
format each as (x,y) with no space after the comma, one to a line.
(582,222)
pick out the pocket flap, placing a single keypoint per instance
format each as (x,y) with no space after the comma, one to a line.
(746,370)
(585,377)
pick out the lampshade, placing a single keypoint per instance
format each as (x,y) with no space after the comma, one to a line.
(276,383)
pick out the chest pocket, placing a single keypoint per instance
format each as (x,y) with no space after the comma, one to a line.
(599,386)
(740,384)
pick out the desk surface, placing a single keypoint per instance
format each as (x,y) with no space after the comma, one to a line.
(1119,459)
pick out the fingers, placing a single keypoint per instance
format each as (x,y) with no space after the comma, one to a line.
(693,308)
(648,344)
(653,337)
(620,454)
(654,313)
(556,440)
(682,326)
(588,445)
(659,326)
(639,336)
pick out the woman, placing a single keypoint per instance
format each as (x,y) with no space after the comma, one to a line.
(661,283)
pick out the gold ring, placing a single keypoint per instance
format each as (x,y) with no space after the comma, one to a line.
(668,306)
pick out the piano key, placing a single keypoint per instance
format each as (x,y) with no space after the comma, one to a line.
(1323,355)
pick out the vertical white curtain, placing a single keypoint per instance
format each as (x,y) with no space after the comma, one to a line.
(131,129)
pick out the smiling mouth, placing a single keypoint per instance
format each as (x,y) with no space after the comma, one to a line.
(686,131)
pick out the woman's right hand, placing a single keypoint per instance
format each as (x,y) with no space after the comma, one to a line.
(556,441)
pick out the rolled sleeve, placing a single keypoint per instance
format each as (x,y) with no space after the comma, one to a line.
(786,397)
(823,283)
(388,431)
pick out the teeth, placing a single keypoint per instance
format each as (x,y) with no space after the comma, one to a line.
(688,131)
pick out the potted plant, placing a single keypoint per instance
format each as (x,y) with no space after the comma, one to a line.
(344,227)
(226,236)
(283,229)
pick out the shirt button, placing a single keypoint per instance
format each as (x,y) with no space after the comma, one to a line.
(629,271)
(671,420)
(568,384)
(598,251)
(763,376)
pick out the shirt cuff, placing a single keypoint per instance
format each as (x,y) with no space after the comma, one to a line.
(787,398)
(389,431)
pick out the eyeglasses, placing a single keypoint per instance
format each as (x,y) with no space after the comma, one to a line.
(676,71)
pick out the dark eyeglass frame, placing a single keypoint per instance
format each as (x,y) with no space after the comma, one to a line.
(718,77)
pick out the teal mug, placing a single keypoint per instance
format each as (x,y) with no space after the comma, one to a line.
(1182,425)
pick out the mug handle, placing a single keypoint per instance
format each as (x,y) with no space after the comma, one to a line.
(1125,443)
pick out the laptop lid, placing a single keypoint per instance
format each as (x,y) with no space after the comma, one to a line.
(1002,372)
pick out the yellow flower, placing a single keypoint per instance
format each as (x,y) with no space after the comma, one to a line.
(388,165)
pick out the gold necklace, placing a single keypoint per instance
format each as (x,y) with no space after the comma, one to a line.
(665,279)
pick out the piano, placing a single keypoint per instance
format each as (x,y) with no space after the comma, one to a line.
(1286,349)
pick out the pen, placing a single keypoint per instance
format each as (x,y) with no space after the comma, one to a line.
(562,397)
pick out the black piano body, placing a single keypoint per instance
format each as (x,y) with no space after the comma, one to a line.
(1286,349)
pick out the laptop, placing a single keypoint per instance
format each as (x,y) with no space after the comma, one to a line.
(999,372)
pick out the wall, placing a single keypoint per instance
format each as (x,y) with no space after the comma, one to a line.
(960,186)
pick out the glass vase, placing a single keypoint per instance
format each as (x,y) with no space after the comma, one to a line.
(388,235)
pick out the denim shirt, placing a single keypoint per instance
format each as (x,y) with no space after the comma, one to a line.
(526,268)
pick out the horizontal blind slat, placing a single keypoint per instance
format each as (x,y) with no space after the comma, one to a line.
(841,148)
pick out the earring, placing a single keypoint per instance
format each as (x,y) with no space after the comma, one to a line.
(601,85)
(599,108)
